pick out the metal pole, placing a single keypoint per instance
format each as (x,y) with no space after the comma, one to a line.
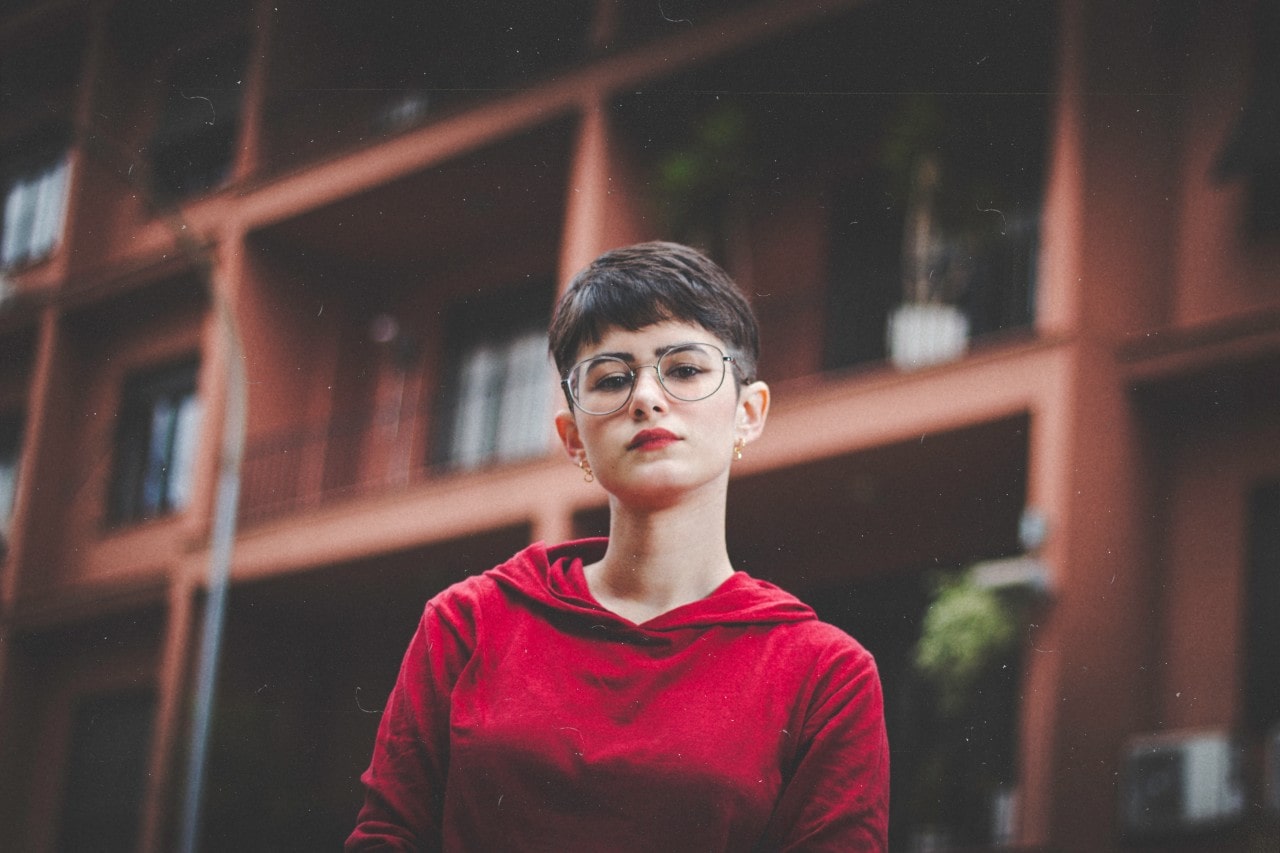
(223,540)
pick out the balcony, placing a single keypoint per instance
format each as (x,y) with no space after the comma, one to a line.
(349,456)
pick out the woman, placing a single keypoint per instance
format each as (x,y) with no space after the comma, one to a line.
(635,692)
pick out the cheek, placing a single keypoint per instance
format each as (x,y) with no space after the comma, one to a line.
(606,436)
(721,421)
(590,435)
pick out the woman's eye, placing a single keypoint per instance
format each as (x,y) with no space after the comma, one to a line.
(611,382)
(683,371)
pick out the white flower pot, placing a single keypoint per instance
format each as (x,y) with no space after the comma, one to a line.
(921,334)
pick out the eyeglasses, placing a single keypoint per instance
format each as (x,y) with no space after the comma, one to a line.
(687,372)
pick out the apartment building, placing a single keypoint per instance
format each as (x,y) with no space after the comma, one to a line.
(1017,267)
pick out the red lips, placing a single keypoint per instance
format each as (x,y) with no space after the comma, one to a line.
(652,439)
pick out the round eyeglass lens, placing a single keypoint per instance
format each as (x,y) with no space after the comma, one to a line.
(601,386)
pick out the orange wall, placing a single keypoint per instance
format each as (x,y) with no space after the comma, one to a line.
(1216,461)
(1128,158)
(1221,272)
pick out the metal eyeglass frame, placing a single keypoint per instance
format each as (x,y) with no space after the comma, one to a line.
(634,370)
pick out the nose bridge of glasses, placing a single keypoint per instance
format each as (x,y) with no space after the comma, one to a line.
(638,371)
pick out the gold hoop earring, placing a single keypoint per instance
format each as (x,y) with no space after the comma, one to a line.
(588,476)
(738,444)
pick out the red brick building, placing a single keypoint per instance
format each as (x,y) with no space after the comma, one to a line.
(1018,272)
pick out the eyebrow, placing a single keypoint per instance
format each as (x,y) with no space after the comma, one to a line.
(657,353)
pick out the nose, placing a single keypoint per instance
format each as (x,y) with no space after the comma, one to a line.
(648,393)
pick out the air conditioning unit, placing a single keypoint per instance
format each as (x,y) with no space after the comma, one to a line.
(1181,781)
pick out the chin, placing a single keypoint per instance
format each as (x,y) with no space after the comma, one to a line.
(655,489)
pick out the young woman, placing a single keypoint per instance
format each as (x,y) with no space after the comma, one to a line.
(636,693)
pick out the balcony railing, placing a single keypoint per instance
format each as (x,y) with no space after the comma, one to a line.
(347,456)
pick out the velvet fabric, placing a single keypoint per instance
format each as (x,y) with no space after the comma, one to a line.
(527,717)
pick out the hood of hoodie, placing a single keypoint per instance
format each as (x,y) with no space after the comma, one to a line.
(551,577)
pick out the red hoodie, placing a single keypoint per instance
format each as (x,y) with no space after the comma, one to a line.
(528,717)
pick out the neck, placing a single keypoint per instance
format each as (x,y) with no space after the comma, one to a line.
(660,559)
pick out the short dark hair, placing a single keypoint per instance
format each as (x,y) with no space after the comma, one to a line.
(637,286)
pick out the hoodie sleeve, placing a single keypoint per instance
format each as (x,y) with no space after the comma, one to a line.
(405,782)
(836,797)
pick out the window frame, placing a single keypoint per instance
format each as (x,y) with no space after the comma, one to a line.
(496,398)
(11,439)
(144,486)
(36,193)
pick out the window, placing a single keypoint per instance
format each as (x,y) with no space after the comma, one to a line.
(865,274)
(1262,610)
(10,455)
(497,397)
(194,145)
(34,204)
(934,240)
(1249,153)
(159,421)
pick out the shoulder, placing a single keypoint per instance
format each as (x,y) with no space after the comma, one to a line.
(828,645)
(517,583)
(798,626)
(465,594)
(838,680)
(460,607)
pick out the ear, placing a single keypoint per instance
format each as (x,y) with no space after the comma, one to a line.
(570,438)
(753,410)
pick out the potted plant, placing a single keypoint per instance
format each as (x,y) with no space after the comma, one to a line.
(953,193)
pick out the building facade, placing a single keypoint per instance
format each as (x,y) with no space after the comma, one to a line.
(1017,267)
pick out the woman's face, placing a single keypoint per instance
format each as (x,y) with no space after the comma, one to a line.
(657,449)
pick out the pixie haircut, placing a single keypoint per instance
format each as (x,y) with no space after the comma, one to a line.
(637,286)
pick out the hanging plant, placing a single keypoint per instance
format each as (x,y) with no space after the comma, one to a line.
(968,660)
(968,631)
